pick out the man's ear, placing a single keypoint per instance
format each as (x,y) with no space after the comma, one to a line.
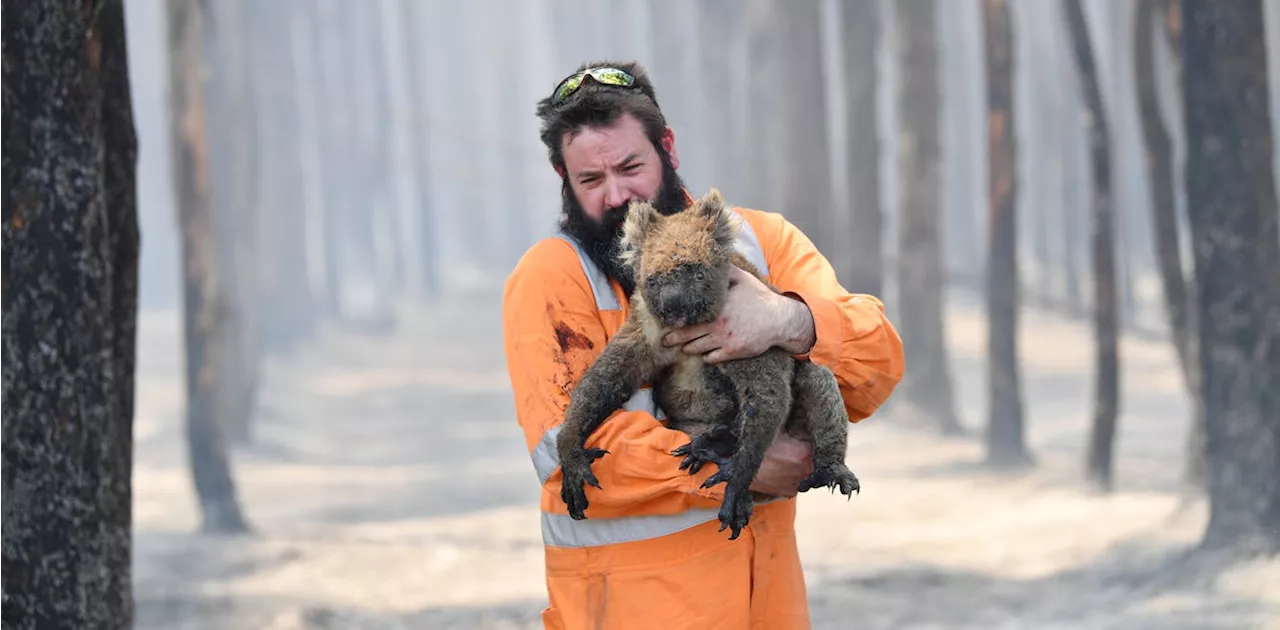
(668,141)
(559,170)
(641,217)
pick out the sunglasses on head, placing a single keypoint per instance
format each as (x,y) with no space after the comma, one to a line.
(606,76)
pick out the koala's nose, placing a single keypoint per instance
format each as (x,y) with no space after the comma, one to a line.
(674,301)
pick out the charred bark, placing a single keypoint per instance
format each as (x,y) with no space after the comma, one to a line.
(1231,200)
(205,294)
(70,296)
(1105,323)
(860,41)
(927,386)
(1006,436)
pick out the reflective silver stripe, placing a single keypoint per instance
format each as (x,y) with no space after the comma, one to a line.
(560,530)
(546,457)
(606,300)
(749,246)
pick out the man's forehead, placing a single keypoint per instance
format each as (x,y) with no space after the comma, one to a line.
(594,153)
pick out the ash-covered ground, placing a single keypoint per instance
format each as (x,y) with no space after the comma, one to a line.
(389,488)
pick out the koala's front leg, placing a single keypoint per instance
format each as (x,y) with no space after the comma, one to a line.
(623,366)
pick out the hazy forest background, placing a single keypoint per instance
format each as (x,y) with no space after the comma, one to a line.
(1068,207)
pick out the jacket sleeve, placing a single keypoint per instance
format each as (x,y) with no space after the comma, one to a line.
(854,336)
(552,333)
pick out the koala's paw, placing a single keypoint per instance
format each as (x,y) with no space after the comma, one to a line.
(576,475)
(735,511)
(837,476)
(713,446)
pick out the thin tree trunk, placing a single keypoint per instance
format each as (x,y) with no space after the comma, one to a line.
(235,153)
(1006,438)
(70,296)
(1179,291)
(1107,372)
(1231,199)
(415,59)
(806,184)
(860,41)
(927,386)
(205,296)
(287,311)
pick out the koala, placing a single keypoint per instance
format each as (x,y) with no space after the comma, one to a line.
(732,410)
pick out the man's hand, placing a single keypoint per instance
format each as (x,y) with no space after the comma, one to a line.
(787,462)
(753,319)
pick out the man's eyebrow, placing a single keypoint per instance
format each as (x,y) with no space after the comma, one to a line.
(588,172)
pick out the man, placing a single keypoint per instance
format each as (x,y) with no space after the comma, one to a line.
(649,554)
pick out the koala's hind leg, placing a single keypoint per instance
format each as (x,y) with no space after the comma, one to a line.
(763,402)
(818,414)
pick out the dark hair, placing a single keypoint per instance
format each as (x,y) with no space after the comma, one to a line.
(596,105)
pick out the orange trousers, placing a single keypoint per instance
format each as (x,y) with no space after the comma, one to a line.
(696,578)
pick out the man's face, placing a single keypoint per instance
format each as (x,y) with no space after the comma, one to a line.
(605,169)
(608,167)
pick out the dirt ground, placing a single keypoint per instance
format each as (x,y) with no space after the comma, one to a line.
(389,488)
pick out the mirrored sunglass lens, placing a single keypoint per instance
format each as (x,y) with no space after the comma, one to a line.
(568,87)
(613,77)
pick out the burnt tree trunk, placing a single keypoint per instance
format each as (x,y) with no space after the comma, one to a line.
(1179,290)
(233,152)
(1231,201)
(287,305)
(1006,437)
(1105,323)
(419,157)
(927,385)
(860,41)
(328,40)
(806,188)
(205,295)
(70,313)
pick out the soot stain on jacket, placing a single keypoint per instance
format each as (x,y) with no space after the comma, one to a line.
(570,339)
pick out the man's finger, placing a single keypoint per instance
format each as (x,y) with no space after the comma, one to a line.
(701,345)
(686,334)
(715,356)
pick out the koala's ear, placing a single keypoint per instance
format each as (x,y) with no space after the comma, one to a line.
(726,220)
(711,204)
(641,216)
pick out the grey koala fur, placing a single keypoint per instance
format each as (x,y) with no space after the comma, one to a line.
(732,410)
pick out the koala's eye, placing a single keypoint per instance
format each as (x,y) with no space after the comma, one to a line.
(700,275)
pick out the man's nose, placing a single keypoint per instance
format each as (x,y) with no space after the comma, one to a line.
(615,195)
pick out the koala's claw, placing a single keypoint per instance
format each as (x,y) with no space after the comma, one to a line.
(735,511)
(833,477)
(722,476)
(576,475)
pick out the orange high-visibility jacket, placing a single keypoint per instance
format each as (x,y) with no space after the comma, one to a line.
(649,554)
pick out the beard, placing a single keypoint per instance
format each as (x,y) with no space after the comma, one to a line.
(600,240)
